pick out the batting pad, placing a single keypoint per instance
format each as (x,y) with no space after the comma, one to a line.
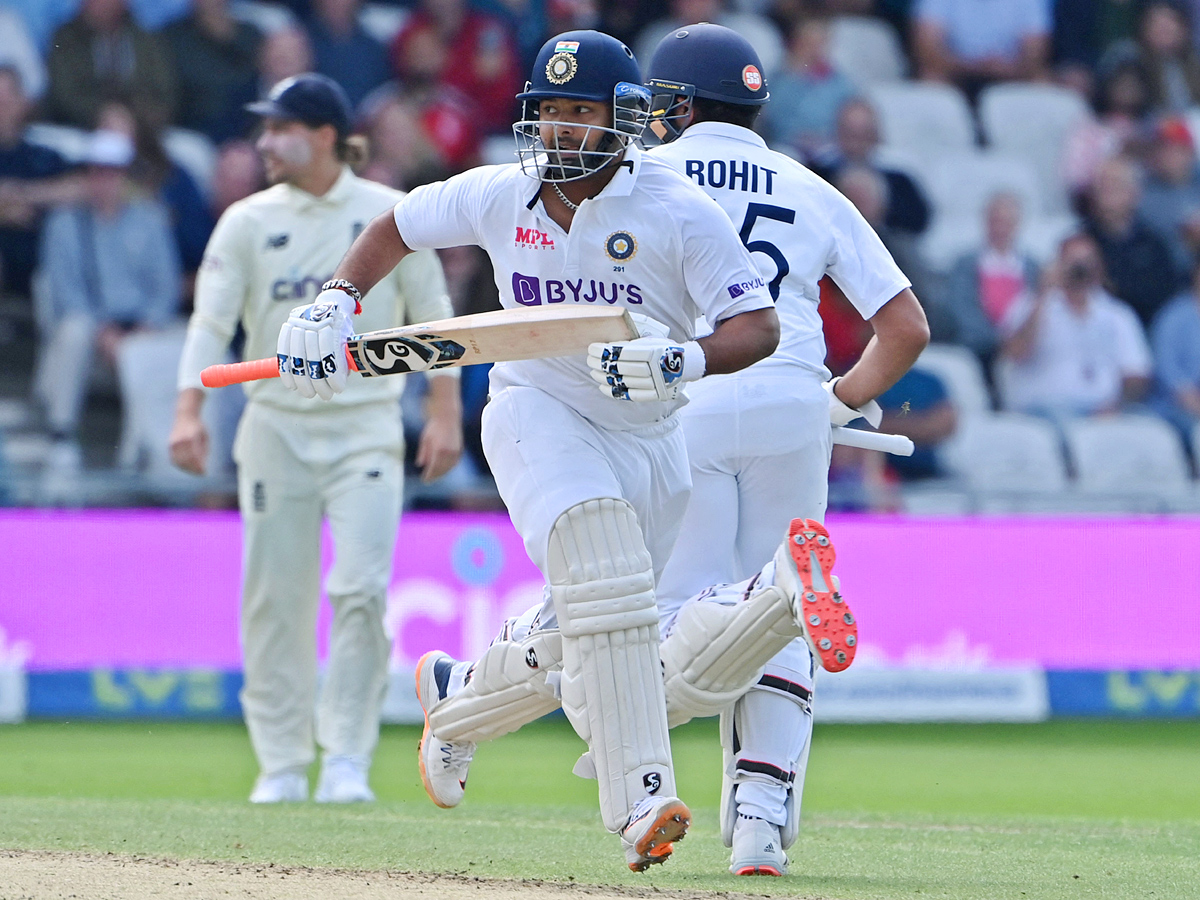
(716,650)
(602,584)
(508,688)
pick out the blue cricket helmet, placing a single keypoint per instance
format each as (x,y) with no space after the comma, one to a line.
(704,60)
(581,65)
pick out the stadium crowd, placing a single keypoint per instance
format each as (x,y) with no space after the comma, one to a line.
(1032,166)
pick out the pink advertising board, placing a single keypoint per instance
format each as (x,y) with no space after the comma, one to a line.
(160,589)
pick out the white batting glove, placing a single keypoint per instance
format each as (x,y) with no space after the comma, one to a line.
(841,414)
(645,369)
(312,345)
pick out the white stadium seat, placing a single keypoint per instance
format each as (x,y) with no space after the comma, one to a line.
(866,50)
(959,370)
(1010,452)
(1126,454)
(961,183)
(1033,121)
(923,118)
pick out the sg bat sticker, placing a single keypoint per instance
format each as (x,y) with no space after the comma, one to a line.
(396,355)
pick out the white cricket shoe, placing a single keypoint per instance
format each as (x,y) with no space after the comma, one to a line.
(343,780)
(757,849)
(282,787)
(444,764)
(654,825)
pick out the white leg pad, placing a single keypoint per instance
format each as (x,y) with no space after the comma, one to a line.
(742,763)
(602,583)
(509,686)
(718,646)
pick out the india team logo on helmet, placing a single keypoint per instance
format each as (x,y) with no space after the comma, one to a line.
(587,66)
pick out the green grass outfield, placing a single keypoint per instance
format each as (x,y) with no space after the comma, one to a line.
(1067,809)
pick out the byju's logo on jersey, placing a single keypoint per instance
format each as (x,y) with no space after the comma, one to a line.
(532,239)
(529,290)
(620,246)
(736,290)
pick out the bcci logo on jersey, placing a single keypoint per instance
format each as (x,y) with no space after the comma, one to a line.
(532,239)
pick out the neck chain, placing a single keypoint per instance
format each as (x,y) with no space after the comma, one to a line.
(573,207)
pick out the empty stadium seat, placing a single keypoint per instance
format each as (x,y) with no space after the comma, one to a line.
(1010,452)
(923,118)
(1127,454)
(961,183)
(1033,121)
(960,372)
(866,50)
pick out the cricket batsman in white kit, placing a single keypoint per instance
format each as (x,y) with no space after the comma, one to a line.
(586,451)
(300,460)
(759,439)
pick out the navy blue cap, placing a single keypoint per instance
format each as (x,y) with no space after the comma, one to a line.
(310,98)
(713,61)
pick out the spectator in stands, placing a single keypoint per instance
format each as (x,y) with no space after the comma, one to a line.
(1171,197)
(161,177)
(867,189)
(973,43)
(32,178)
(1137,260)
(1071,348)
(101,56)
(807,93)
(760,31)
(238,173)
(284,54)
(402,154)
(1164,48)
(447,45)
(345,51)
(846,331)
(906,208)
(111,268)
(1084,28)
(984,284)
(1175,338)
(215,67)
(918,407)
(18,51)
(1122,103)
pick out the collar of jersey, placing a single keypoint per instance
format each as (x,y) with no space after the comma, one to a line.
(335,195)
(725,130)
(621,184)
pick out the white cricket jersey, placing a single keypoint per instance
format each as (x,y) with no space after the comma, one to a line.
(651,242)
(798,227)
(272,252)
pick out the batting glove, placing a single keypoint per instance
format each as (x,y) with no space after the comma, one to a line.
(645,369)
(841,414)
(312,345)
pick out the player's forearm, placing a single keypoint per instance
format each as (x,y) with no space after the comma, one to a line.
(444,400)
(373,254)
(901,333)
(188,403)
(740,341)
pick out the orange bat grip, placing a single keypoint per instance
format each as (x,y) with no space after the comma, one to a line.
(250,370)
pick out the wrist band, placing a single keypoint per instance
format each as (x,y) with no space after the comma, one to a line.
(341,284)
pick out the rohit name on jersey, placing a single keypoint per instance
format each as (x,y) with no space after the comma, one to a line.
(736,175)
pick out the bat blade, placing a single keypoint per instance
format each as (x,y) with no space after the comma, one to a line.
(503,335)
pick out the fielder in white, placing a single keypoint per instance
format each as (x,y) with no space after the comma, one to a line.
(301,461)
(596,480)
(759,439)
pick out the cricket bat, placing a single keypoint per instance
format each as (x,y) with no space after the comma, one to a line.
(896,444)
(498,336)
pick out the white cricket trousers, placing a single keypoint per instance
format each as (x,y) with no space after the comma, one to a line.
(294,470)
(547,458)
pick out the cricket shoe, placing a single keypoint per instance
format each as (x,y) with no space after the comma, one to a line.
(282,787)
(757,849)
(654,825)
(443,764)
(343,780)
(804,569)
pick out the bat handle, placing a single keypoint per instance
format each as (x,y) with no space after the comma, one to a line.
(896,444)
(250,370)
